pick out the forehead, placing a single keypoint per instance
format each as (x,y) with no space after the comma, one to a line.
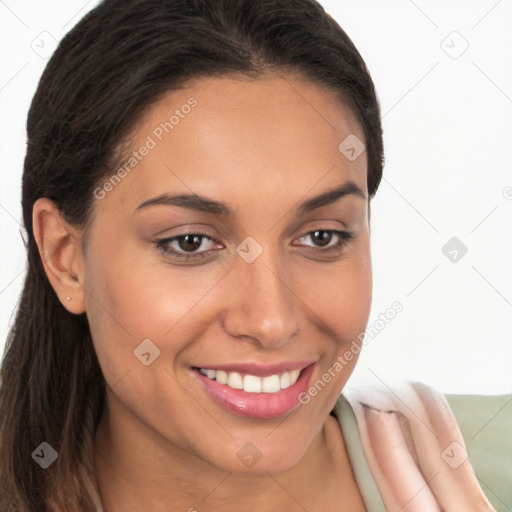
(242,135)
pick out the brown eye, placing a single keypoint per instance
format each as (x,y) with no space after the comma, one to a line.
(187,246)
(321,237)
(189,243)
(323,240)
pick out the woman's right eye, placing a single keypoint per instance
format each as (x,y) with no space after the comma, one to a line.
(186,246)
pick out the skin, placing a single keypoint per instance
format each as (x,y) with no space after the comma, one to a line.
(261,147)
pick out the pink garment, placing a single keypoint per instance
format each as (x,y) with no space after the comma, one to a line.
(415,450)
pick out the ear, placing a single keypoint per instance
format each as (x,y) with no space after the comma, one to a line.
(61,254)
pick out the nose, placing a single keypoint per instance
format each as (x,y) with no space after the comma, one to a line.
(262,307)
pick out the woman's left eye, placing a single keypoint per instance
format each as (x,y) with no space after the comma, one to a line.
(325,237)
(199,245)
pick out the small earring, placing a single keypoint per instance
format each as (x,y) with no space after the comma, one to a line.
(68,298)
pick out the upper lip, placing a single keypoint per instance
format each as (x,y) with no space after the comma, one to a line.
(258,369)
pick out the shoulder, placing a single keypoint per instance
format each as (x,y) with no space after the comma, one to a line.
(410,433)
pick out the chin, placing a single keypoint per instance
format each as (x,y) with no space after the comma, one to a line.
(260,457)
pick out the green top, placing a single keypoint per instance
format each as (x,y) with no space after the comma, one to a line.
(486,425)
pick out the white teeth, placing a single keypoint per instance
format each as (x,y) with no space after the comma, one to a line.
(221,377)
(285,380)
(235,381)
(271,384)
(252,383)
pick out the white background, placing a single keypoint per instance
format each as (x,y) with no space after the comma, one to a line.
(448,143)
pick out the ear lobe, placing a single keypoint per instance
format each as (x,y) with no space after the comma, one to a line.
(61,255)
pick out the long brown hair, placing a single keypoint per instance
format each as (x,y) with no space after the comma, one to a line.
(117,61)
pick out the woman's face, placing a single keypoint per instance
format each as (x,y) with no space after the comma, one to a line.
(267,292)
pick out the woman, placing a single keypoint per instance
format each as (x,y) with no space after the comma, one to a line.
(196,194)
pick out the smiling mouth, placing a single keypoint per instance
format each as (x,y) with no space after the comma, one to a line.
(253,383)
(256,391)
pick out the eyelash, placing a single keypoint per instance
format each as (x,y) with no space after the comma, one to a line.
(163,244)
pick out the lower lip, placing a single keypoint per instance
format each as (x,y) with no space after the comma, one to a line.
(257,405)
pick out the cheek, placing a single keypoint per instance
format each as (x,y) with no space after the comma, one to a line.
(341,296)
(341,300)
(143,295)
(135,298)
(348,301)
(342,304)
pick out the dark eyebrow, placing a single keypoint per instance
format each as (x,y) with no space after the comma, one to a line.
(346,189)
(204,204)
